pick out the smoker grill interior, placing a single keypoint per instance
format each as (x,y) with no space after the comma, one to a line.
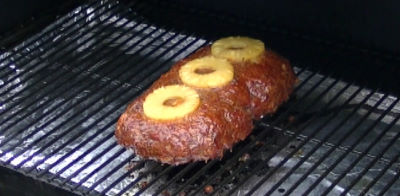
(63,88)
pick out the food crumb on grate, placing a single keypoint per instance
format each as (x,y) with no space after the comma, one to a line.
(131,165)
(143,185)
(299,153)
(165,193)
(208,189)
(182,193)
(245,157)
(259,143)
(291,119)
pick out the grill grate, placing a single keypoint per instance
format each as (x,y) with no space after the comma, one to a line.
(63,89)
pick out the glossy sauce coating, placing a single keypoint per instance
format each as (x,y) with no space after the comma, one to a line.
(223,118)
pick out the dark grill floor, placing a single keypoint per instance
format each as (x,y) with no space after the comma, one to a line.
(63,89)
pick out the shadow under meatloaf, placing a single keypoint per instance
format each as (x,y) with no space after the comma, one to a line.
(223,118)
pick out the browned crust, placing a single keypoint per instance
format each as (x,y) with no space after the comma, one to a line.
(223,118)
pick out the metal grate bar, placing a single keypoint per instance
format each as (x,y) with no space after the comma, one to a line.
(326,137)
(164,172)
(301,129)
(31,102)
(390,183)
(94,101)
(119,166)
(42,172)
(105,150)
(32,68)
(55,77)
(287,158)
(178,175)
(384,150)
(129,186)
(325,109)
(118,153)
(381,173)
(82,120)
(366,150)
(341,140)
(118,180)
(75,148)
(47,33)
(324,124)
(89,84)
(327,154)
(382,160)
(111,172)
(24,116)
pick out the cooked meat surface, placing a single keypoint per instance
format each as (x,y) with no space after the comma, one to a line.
(223,117)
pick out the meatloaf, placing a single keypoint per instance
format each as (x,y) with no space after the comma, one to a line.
(224,116)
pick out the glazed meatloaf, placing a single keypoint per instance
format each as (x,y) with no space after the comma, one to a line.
(206,102)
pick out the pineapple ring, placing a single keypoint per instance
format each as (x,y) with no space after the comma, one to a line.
(171,102)
(238,49)
(206,72)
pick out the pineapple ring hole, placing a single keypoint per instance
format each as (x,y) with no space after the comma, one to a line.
(173,101)
(204,70)
(236,48)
